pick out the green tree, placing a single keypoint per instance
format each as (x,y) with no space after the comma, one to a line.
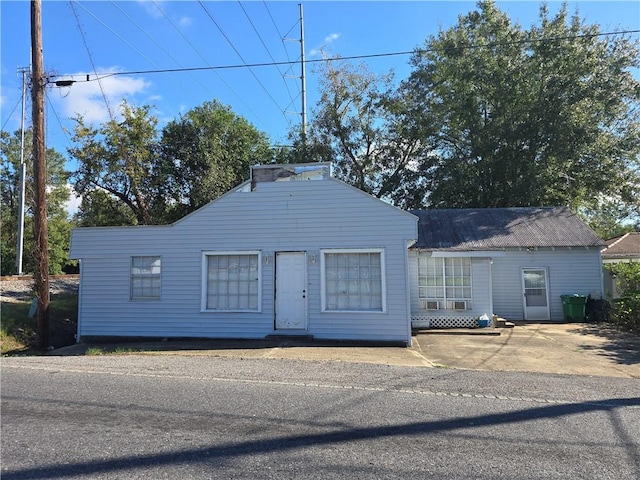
(303,150)
(205,153)
(546,116)
(363,126)
(100,208)
(610,217)
(120,158)
(58,194)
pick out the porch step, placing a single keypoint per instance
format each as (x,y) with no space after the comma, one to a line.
(502,323)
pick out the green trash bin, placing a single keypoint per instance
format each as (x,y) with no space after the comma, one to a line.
(573,307)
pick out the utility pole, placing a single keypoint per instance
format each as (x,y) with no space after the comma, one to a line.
(303,79)
(41,253)
(23,175)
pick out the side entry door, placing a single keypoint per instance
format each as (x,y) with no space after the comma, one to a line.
(536,294)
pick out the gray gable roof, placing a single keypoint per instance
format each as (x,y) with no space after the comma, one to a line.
(627,245)
(498,228)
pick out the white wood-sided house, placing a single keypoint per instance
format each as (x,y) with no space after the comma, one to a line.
(296,252)
(290,252)
(511,262)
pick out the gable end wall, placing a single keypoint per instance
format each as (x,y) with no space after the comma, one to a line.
(283,216)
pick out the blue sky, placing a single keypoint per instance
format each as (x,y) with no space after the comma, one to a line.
(133,36)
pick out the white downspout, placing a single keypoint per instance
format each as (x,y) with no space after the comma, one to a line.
(407,288)
(78,328)
(491,290)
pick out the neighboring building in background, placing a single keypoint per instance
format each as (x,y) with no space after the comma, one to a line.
(624,248)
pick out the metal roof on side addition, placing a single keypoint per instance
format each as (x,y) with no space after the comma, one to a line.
(499,228)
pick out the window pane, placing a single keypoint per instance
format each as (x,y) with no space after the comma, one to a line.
(353,281)
(145,278)
(444,278)
(232,282)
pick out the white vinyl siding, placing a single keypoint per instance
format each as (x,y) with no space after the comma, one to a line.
(446,281)
(145,278)
(275,217)
(353,280)
(232,281)
(576,270)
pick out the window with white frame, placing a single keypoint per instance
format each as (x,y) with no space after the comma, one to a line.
(231,281)
(353,280)
(444,283)
(145,278)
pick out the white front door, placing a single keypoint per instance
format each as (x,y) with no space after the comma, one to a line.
(291,290)
(536,294)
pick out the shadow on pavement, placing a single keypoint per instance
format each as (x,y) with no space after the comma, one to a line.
(621,347)
(216,454)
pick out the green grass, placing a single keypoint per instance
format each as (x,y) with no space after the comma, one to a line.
(94,351)
(18,331)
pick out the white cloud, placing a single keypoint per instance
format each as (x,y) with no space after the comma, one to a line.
(328,40)
(185,21)
(331,37)
(87,99)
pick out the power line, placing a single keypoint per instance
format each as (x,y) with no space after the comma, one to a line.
(265,46)
(159,46)
(207,62)
(64,130)
(286,52)
(93,65)
(124,40)
(126,43)
(241,58)
(11,114)
(293,100)
(350,57)
(284,47)
(294,26)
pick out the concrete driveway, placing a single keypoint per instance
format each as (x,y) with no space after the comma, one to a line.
(564,348)
(573,348)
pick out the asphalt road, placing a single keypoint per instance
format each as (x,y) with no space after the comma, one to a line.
(155,417)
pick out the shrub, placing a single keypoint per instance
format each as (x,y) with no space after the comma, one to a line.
(625,311)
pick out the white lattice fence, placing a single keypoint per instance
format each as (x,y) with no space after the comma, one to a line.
(420,321)
(429,321)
